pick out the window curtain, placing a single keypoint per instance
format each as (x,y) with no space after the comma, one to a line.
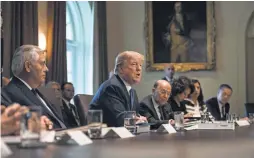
(56,42)
(100,44)
(20,26)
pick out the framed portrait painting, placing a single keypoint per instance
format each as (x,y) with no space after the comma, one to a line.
(180,33)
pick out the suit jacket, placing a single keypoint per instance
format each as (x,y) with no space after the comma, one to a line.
(5,99)
(20,93)
(68,117)
(147,109)
(213,107)
(113,99)
(164,78)
(175,106)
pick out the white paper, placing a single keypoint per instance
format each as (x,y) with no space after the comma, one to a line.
(242,123)
(48,136)
(191,127)
(79,137)
(11,139)
(122,132)
(5,150)
(166,127)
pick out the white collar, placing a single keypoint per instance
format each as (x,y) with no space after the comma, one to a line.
(192,101)
(127,85)
(29,87)
(66,102)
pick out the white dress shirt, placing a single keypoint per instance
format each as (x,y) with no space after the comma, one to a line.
(156,107)
(127,85)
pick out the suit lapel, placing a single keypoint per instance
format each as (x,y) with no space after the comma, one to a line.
(126,93)
(151,107)
(32,97)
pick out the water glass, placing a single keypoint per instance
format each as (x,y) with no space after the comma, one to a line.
(204,117)
(130,121)
(251,117)
(179,118)
(94,123)
(230,118)
(30,127)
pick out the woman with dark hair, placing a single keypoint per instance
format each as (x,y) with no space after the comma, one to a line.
(189,87)
(177,97)
(195,101)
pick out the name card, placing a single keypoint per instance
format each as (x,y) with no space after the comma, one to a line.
(5,150)
(47,136)
(120,132)
(166,128)
(220,125)
(79,137)
(242,123)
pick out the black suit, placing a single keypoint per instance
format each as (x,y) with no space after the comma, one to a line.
(69,118)
(175,106)
(147,109)
(5,99)
(113,99)
(20,93)
(213,107)
(171,81)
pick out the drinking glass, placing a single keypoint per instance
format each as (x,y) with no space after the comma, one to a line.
(251,117)
(179,118)
(130,121)
(94,123)
(30,127)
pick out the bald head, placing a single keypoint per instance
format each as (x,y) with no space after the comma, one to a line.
(161,91)
(128,65)
(170,71)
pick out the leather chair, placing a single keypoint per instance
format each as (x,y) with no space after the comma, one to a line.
(249,107)
(82,102)
(50,94)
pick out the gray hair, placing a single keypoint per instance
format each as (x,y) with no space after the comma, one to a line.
(51,83)
(125,56)
(22,54)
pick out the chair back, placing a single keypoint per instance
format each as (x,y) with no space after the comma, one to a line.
(82,102)
(249,107)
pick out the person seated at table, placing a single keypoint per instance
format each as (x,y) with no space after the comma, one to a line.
(11,117)
(189,87)
(195,102)
(218,106)
(116,95)
(155,106)
(177,97)
(29,69)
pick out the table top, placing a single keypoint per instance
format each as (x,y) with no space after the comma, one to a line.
(238,143)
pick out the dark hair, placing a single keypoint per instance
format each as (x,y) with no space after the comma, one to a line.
(222,86)
(201,96)
(187,83)
(65,83)
(177,88)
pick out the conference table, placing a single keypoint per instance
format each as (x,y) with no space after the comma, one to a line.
(238,143)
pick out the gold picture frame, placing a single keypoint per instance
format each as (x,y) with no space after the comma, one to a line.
(210,62)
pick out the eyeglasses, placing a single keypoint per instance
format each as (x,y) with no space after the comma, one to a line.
(164,92)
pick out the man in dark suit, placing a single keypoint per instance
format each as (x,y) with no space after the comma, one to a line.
(169,73)
(219,106)
(155,106)
(29,69)
(115,96)
(69,111)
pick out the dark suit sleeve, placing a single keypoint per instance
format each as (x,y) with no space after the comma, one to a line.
(211,108)
(144,110)
(114,104)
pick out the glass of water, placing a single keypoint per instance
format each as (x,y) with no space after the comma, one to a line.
(179,118)
(230,118)
(30,127)
(94,123)
(251,117)
(130,121)
(204,117)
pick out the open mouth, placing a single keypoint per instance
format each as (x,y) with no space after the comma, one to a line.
(138,75)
